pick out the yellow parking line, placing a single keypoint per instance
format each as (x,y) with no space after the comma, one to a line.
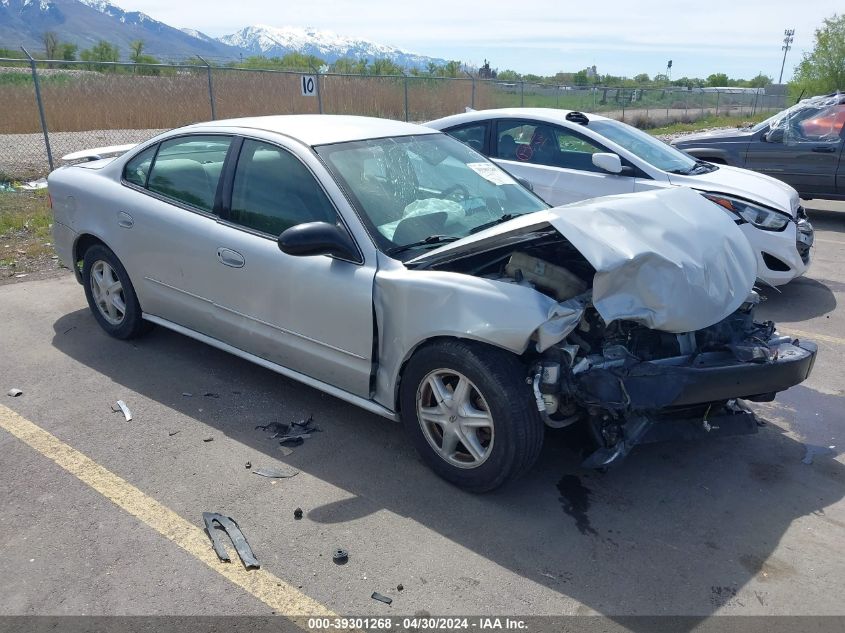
(814,337)
(277,594)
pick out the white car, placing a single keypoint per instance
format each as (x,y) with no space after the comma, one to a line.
(568,156)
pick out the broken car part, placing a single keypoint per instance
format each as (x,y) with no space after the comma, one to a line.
(297,514)
(377,596)
(273,472)
(14,392)
(228,525)
(340,556)
(120,405)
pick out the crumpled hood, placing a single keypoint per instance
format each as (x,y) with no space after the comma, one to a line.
(744,183)
(669,258)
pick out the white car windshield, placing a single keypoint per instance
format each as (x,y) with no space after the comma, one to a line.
(418,191)
(646,147)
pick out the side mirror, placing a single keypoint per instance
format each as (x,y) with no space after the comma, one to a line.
(775,135)
(318,238)
(608,162)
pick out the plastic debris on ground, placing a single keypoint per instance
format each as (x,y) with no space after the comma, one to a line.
(340,556)
(32,185)
(120,406)
(273,472)
(291,434)
(297,514)
(230,526)
(14,392)
(208,439)
(377,596)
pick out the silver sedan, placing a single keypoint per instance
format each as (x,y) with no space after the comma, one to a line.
(397,269)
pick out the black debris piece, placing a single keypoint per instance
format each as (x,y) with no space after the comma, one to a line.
(211,394)
(299,432)
(273,472)
(297,514)
(208,439)
(248,465)
(172,433)
(276,428)
(228,525)
(377,596)
(340,556)
(400,587)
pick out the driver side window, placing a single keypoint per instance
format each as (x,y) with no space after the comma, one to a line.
(274,191)
(811,125)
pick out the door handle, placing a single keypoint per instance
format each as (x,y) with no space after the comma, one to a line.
(824,149)
(125,220)
(228,257)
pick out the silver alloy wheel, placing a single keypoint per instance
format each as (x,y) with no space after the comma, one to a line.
(108,292)
(455,418)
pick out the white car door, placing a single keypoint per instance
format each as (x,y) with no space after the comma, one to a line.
(556,161)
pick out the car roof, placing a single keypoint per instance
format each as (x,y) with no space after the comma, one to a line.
(320,129)
(549,115)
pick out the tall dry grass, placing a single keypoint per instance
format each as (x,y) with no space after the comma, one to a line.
(109,101)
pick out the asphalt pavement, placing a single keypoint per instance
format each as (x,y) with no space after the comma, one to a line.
(100,516)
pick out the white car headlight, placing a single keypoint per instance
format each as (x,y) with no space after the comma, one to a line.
(761,217)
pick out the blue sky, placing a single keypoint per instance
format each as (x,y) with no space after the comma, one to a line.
(740,38)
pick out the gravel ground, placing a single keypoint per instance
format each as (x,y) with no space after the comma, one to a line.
(22,156)
(668,138)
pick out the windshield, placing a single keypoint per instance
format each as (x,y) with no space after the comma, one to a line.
(646,147)
(430,187)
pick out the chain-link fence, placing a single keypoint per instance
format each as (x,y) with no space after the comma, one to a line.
(52,108)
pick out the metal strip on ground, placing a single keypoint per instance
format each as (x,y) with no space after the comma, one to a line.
(280,596)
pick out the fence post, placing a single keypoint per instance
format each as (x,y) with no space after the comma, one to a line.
(718,92)
(319,92)
(521,94)
(756,96)
(210,89)
(405,80)
(40,107)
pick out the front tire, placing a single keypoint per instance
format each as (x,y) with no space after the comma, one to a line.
(470,415)
(110,294)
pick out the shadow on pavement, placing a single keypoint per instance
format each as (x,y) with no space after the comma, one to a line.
(674,529)
(799,300)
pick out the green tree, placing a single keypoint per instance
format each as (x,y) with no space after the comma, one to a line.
(103,51)
(51,45)
(717,80)
(349,66)
(291,61)
(823,69)
(642,78)
(760,81)
(384,67)
(67,51)
(509,75)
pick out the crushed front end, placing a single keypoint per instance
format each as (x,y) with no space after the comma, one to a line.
(633,385)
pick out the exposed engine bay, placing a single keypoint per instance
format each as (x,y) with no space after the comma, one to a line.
(628,383)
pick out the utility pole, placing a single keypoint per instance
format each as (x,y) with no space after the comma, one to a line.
(788,36)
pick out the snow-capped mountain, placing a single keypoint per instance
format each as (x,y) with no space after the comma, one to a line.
(276,42)
(86,22)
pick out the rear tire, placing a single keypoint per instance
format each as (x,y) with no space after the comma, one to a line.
(469,413)
(110,294)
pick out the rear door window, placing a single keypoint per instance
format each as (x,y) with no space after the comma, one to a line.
(187,169)
(474,135)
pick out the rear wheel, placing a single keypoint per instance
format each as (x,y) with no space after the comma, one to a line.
(469,414)
(110,294)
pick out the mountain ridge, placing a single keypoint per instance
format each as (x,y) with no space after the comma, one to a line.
(86,22)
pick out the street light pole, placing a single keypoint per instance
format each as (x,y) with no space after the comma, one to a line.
(787,44)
